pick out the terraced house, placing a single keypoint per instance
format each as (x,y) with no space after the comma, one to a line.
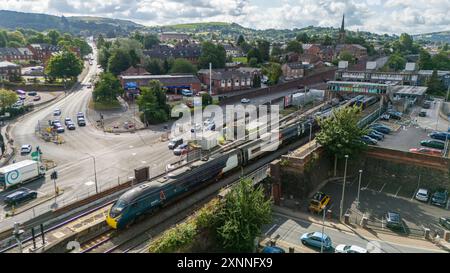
(224,81)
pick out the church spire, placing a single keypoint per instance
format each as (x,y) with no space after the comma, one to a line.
(343,23)
(342,31)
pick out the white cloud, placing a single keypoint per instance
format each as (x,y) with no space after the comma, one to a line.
(392,16)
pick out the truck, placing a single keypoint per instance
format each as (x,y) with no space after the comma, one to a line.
(20,173)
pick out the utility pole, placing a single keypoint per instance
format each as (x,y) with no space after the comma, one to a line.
(210,79)
(95,172)
(359,188)
(323,228)
(343,189)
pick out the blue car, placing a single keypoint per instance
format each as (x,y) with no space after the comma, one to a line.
(317,239)
(440,136)
(368,140)
(375,136)
(381,129)
(377,133)
(272,249)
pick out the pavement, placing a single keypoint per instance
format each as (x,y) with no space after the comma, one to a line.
(288,226)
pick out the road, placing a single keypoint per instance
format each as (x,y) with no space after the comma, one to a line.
(116,156)
(433,121)
(290,230)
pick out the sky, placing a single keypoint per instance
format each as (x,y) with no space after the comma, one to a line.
(380,16)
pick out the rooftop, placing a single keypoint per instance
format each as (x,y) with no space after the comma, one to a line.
(409,90)
(8,64)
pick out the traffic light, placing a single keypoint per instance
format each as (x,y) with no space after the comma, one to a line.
(54,175)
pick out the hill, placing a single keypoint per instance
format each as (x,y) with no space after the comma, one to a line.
(74,25)
(436,37)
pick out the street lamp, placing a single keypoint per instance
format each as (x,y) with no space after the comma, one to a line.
(323,229)
(343,189)
(95,172)
(359,188)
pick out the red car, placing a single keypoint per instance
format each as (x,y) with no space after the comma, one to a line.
(427,151)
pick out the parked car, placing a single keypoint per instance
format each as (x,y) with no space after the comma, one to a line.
(245,100)
(375,136)
(81,122)
(316,239)
(439,198)
(70,125)
(433,144)
(196,128)
(393,220)
(423,113)
(423,195)
(67,120)
(426,105)
(32,93)
(272,249)
(440,136)
(181,149)
(60,129)
(349,249)
(37,98)
(427,151)
(19,196)
(57,112)
(25,149)
(385,117)
(22,97)
(380,129)
(368,140)
(377,133)
(175,143)
(395,114)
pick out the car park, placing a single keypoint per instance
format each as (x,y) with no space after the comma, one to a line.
(272,249)
(368,140)
(245,100)
(181,149)
(439,198)
(423,195)
(175,143)
(25,149)
(433,144)
(349,249)
(393,220)
(57,112)
(19,196)
(317,239)
(427,151)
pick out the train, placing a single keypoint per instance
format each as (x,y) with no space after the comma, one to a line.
(148,197)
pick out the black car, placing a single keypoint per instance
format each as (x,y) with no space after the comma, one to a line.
(174,143)
(70,125)
(439,198)
(393,220)
(81,122)
(19,196)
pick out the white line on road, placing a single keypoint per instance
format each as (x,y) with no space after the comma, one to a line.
(270,229)
(382,187)
(398,191)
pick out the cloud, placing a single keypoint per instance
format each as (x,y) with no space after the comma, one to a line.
(391,16)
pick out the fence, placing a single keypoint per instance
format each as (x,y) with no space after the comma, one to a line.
(372,117)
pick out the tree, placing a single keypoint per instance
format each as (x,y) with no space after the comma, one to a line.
(346,56)
(103,57)
(150,41)
(253,62)
(107,88)
(240,40)
(254,53)
(100,41)
(396,62)
(435,85)
(273,72)
(441,61)
(214,54)
(119,61)
(64,65)
(244,211)
(264,49)
(276,50)
(154,66)
(206,99)
(340,133)
(294,46)
(183,66)
(3,38)
(256,81)
(7,98)
(406,42)
(302,38)
(152,102)
(327,40)
(245,47)
(425,62)
(53,36)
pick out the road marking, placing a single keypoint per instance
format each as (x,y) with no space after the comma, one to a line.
(144,162)
(367,186)
(131,146)
(133,154)
(89,183)
(382,187)
(270,229)
(398,191)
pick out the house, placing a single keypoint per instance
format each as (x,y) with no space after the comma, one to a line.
(171,36)
(190,52)
(233,51)
(172,83)
(135,71)
(43,52)
(325,53)
(309,58)
(11,54)
(224,80)
(357,51)
(9,71)
(293,70)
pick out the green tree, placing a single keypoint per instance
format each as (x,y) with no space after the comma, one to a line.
(273,72)
(119,61)
(240,219)
(154,66)
(340,133)
(103,57)
(240,40)
(152,103)
(64,65)
(245,47)
(346,56)
(150,41)
(254,53)
(206,99)
(441,61)
(264,49)
(107,88)
(214,54)
(435,85)
(7,98)
(16,38)
(425,62)
(253,62)
(294,46)
(327,40)
(303,38)
(53,36)
(3,38)
(183,66)
(100,41)
(406,41)
(256,81)
(396,62)
(276,50)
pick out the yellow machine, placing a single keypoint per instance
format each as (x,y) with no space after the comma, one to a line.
(319,201)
